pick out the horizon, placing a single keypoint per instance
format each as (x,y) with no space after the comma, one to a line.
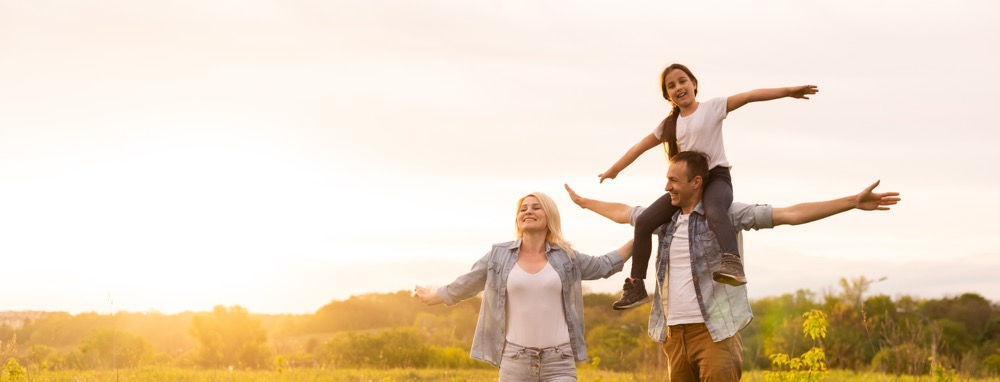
(817,296)
(283,155)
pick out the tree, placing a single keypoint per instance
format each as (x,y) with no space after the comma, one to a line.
(621,343)
(378,311)
(776,327)
(853,342)
(114,349)
(230,337)
(388,348)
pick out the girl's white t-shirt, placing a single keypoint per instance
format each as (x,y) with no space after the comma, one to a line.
(535,315)
(702,131)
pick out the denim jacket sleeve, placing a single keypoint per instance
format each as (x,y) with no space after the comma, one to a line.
(594,267)
(633,214)
(750,216)
(467,285)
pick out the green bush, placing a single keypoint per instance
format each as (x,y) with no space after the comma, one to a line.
(396,347)
(907,358)
(13,372)
(811,365)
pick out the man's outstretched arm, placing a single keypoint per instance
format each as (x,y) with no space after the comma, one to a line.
(617,212)
(808,212)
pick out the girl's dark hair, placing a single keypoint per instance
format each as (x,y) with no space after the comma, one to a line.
(668,132)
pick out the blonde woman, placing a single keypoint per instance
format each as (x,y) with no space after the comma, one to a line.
(531,319)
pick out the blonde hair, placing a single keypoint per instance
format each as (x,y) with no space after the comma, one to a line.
(553,232)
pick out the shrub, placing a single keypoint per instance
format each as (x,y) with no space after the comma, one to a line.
(811,365)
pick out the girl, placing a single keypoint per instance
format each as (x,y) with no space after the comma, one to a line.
(692,126)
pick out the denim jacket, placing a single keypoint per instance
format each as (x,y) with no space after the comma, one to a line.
(725,308)
(489,275)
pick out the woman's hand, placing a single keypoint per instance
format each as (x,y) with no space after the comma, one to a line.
(426,296)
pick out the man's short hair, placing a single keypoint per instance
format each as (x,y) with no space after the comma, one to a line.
(696,161)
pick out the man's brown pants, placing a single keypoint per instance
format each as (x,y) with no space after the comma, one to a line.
(692,356)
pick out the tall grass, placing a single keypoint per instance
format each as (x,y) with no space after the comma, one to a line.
(164,374)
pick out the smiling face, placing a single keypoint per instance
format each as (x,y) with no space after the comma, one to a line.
(531,216)
(684,189)
(537,215)
(680,88)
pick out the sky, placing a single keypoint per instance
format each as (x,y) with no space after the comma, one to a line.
(278,155)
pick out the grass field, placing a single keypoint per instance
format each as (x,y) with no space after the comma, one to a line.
(392,375)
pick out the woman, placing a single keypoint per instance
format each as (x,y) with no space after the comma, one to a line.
(531,319)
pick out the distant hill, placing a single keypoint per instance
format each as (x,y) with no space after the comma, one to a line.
(18,319)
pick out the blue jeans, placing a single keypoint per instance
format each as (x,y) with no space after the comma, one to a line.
(521,364)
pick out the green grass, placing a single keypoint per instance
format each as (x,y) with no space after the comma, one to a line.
(156,374)
(390,375)
(846,375)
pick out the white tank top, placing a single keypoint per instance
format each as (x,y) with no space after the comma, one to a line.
(535,316)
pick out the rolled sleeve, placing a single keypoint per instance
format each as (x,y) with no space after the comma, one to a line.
(634,213)
(601,266)
(751,216)
(445,297)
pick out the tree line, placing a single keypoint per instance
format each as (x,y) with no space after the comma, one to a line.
(901,335)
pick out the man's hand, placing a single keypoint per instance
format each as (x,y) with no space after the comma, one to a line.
(579,200)
(617,212)
(869,201)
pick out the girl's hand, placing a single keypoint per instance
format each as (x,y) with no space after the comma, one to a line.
(610,174)
(803,91)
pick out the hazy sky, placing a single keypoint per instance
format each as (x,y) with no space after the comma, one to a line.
(173,156)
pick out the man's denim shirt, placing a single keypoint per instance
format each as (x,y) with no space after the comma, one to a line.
(725,308)
(489,275)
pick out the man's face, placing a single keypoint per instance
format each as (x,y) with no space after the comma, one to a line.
(683,190)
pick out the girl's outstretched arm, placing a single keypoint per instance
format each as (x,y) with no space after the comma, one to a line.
(737,101)
(633,153)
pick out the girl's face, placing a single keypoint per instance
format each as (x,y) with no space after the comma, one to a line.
(680,88)
(531,216)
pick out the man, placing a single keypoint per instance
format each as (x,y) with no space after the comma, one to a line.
(699,328)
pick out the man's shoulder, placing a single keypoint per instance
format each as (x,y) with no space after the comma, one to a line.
(738,207)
